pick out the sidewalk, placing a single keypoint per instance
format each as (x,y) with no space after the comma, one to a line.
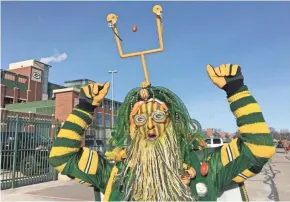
(272,184)
(50,191)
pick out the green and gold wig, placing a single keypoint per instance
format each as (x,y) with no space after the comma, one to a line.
(185,128)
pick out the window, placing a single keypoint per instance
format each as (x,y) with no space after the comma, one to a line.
(107,120)
(208,141)
(109,104)
(99,119)
(102,104)
(106,104)
(8,100)
(99,142)
(216,141)
(89,143)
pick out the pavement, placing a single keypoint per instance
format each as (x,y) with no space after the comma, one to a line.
(272,184)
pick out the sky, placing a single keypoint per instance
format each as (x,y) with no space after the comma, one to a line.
(74,38)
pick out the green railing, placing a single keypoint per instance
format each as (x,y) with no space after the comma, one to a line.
(25,146)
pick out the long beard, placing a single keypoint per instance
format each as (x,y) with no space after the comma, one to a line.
(155,169)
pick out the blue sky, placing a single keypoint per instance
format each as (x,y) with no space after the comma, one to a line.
(255,35)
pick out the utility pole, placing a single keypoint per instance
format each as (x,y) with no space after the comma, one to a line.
(112,72)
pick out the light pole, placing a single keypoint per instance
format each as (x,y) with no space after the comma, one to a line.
(112,72)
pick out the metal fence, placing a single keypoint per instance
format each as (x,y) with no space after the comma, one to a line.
(25,145)
(97,137)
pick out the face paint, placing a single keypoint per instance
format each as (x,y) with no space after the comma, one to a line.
(151,119)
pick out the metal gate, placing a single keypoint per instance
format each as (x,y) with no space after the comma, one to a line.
(97,137)
(25,146)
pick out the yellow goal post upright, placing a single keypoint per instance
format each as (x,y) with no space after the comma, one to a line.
(112,22)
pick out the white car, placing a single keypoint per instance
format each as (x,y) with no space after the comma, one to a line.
(214,142)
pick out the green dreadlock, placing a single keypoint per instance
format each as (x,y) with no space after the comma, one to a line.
(181,120)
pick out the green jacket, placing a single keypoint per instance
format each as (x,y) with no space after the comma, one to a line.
(229,166)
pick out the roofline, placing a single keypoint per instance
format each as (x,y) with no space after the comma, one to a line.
(78,80)
(43,63)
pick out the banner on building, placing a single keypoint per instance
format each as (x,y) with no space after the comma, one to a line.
(36,75)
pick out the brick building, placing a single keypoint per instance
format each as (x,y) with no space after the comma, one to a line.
(25,88)
(67,98)
(25,81)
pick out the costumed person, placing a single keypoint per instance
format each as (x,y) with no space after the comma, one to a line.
(158,164)
(152,142)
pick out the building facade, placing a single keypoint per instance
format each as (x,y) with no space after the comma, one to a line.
(25,88)
(25,81)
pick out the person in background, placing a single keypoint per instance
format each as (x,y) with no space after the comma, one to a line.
(285,144)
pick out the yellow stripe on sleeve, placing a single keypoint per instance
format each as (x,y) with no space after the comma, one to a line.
(261,150)
(248,109)
(60,151)
(248,173)
(80,180)
(238,179)
(89,162)
(238,96)
(224,155)
(69,134)
(255,128)
(245,193)
(77,120)
(60,168)
(84,159)
(110,184)
(88,114)
(94,163)
(234,148)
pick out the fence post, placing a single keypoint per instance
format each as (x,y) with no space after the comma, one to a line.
(55,129)
(15,151)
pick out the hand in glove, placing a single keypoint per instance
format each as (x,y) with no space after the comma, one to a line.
(92,95)
(227,77)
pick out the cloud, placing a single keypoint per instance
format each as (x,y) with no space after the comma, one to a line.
(56,58)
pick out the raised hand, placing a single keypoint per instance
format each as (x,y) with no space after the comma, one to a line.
(94,93)
(226,76)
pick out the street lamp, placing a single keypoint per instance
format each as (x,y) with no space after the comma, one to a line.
(112,72)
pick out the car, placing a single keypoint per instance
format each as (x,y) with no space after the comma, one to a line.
(214,142)
(280,145)
(31,155)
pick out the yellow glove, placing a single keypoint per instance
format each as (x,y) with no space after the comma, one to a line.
(92,95)
(227,77)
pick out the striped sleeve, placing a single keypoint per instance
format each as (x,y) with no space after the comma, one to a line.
(253,129)
(67,156)
(244,157)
